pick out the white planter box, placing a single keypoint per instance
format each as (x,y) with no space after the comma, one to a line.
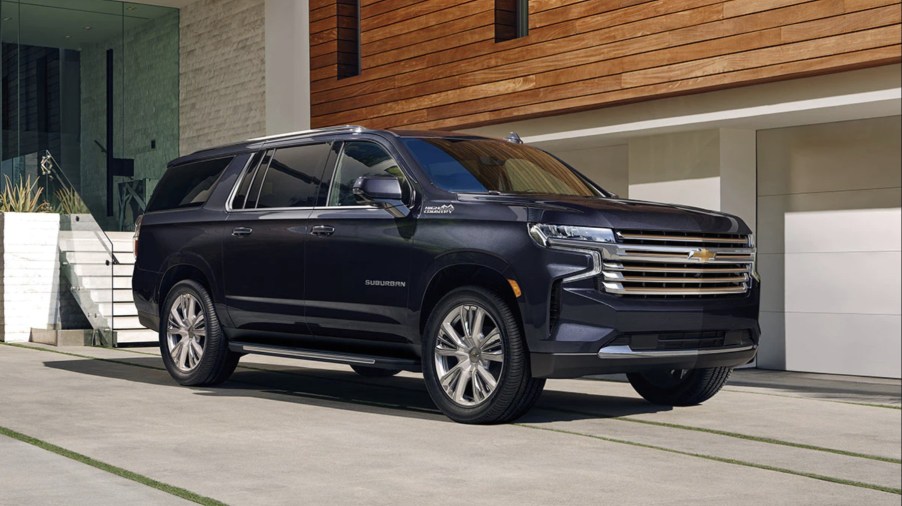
(29,273)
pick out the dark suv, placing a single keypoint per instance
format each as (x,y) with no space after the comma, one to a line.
(486,264)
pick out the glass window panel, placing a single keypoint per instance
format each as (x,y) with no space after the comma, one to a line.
(293,177)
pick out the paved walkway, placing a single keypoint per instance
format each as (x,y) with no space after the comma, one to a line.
(289,432)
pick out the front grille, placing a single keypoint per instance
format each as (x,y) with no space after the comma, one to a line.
(675,264)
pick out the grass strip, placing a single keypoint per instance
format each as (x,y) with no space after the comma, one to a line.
(668,425)
(759,439)
(118,471)
(724,460)
(872,405)
(257,385)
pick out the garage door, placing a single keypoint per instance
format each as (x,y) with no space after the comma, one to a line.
(829,247)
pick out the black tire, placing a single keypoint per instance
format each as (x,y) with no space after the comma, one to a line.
(516,390)
(681,387)
(374,372)
(216,362)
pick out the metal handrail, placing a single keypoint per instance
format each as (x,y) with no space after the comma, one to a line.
(101,324)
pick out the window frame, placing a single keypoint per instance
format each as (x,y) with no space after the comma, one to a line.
(267,153)
(398,162)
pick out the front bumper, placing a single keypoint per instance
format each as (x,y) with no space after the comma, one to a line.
(598,333)
(610,361)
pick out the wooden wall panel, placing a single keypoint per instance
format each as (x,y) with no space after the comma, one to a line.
(436,64)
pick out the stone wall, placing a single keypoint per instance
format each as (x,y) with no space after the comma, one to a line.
(222,75)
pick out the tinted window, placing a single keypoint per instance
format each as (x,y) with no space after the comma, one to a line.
(362,159)
(487,165)
(187,185)
(293,177)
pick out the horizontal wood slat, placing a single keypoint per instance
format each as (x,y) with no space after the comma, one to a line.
(436,64)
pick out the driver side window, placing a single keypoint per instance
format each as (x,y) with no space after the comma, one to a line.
(357,159)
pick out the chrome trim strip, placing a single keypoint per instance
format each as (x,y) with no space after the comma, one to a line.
(625,352)
(618,267)
(619,289)
(617,276)
(678,238)
(305,354)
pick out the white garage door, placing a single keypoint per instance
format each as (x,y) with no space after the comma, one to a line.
(829,247)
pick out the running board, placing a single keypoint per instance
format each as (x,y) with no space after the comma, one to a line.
(327,356)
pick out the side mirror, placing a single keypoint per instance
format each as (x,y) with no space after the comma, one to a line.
(383,191)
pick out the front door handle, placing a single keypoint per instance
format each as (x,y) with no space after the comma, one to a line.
(323,230)
(242,231)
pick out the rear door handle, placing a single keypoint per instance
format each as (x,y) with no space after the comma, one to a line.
(323,230)
(242,231)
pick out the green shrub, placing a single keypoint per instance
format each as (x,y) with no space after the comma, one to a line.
(23,197)
(69,202)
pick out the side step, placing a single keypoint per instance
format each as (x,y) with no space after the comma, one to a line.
(404,364)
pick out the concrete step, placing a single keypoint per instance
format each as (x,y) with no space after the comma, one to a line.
(103,270)
(121,295)
(87,257)
(136,336)
(125,257)
(119,309)
(83,244)
(105,282)
(126,323)
(91,241)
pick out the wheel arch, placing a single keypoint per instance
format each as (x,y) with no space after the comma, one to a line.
(456,275)
(180,272)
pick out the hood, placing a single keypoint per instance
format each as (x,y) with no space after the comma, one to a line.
(622,214)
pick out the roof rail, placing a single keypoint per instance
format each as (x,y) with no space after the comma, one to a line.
(342,128)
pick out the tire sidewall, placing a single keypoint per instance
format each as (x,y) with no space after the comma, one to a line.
(215,346)
(510,335)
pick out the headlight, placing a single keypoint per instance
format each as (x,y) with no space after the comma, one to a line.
(542,233)
(575,240)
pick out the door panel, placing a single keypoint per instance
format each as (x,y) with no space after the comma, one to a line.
(263,250)
(358,257)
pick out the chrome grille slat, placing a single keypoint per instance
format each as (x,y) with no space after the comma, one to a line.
(676,238)
(726,290)
(676,264)
(675,279)
(681,269)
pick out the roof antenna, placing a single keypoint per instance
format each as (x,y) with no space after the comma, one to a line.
(513,137)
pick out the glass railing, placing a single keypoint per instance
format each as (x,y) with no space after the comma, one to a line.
(87,259)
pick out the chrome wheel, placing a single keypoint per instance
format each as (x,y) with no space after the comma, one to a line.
(469,355)
(186,332)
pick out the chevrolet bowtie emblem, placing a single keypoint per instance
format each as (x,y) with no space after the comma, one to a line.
(703,255)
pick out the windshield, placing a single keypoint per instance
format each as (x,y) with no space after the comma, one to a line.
(488,165)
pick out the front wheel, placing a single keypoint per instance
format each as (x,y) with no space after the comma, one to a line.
(194,349)
(475,363)
(680,387)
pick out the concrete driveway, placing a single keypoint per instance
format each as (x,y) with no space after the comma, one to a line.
(82,425)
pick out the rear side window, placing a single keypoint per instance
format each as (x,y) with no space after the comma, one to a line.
(293,177)
(187,185)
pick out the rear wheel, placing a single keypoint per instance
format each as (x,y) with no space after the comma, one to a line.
(374,372)
(680,387)
(194,350)
(475,363)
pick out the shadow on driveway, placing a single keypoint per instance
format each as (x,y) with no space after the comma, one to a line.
(395,396)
